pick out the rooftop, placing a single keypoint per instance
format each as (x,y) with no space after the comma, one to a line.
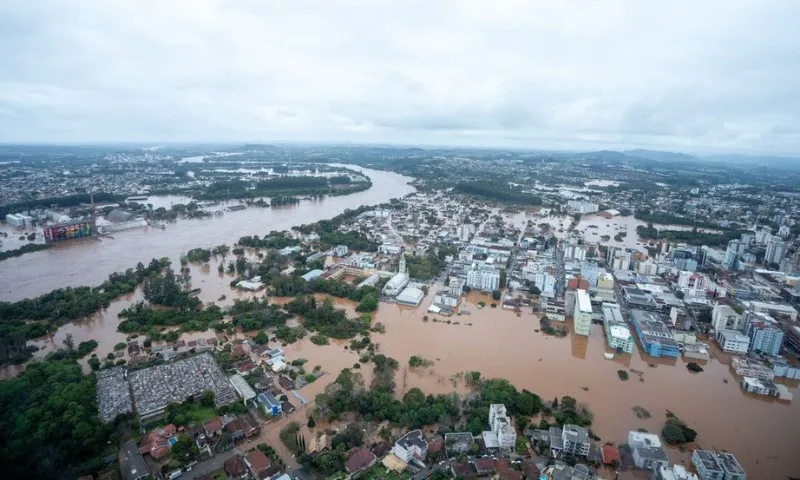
(413,438)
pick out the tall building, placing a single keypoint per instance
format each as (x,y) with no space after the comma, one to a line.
(731,253)
(724,317)
(776,250)
(575,440)
(411,446)
(590,272)
(501,425)
(764,332)
(486,279)
(582,313)
(717,466)
(398,282)
(618,335)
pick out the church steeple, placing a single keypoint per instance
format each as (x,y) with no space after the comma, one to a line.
(402,265)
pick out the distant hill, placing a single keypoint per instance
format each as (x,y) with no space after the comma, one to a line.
(660,156)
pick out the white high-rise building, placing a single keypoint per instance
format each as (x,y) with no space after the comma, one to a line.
(731,254)
(776,250)
(501,426)
(486,279)
(582,313)
(724,317)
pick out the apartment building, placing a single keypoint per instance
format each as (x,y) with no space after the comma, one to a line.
(501,426)
(618,335)
(582,313)
(732,341)
(764,332)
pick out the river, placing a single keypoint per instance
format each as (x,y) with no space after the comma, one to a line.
(90,261)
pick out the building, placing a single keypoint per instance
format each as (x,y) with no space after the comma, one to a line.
(717,466)
(410,296)
(133,466)
(19,220)
(675,472)
(235,468)
(605,281)
(486,279)
(411,446)
(258,463)
(582,314)
(360,460)
(731,254)
(575,440)
(759,386)
(243,388)
(270,404)
(692,284)
(340,250)
(501,426)
(724,317)
(764,332)
(776,250)
(733,341)
(458,442)
(618,335)
(653,334)
(648,454)
(777,310)
(397,283)
(582,207)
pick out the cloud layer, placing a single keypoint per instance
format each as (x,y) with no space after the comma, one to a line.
(682,75)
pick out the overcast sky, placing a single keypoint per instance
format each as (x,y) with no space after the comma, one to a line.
(681,75)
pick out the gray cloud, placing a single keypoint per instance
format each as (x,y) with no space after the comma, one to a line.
(684,74)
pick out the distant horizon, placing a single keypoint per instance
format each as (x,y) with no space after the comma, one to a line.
(700,153)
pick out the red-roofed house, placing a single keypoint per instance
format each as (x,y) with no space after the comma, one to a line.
(213,427)
(155,444)
(258,463)
(235,468)
(360,460)
(611,455)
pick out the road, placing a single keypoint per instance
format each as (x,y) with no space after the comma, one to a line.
(210,465)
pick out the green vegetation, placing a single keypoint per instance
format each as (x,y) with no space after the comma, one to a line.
(430,265)
(257,314)
(693,236)
(28,248)
(497,191)
(67,201)
(665,218)
(417,361)
(289,334)
(120,346)
(141,318)
(199,255)
(546,326)
(325,319)
(49,427)
(676,432)
(368,303)
(319,339)
(622,374)
(34,317)
(191,411)
(641,412)
(275,240)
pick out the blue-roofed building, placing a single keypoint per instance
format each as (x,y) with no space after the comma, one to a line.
(270,404)
(654,335)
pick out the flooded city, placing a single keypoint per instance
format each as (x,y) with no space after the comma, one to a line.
(503,344)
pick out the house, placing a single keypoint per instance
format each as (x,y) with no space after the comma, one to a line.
(235,468)
(360,460)
(155,444)
(241,427)
(213,427)
(610,455)
(648,454)
(270,404)
(132,466)
(286,382)
(258,464)
(411,446)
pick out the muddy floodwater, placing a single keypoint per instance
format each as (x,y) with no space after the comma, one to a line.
(763,433)
(90,261)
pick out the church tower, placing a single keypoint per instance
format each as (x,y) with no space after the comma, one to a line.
(402,266)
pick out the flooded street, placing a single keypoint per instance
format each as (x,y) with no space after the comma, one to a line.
(89,262)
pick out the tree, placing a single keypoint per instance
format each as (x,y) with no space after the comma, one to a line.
(311,423)
(69,342)
(184,449)
(261,338)
(496,295)
(534,290)
(207,399)
(673,434)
